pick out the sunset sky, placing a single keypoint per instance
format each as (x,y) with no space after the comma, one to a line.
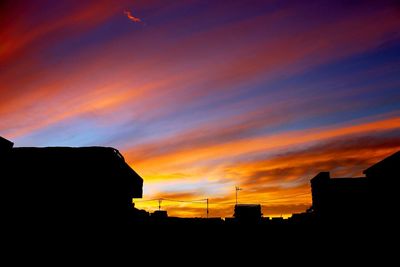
(201,96)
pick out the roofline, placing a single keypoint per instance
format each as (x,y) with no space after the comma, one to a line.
(247,205)
(388,158)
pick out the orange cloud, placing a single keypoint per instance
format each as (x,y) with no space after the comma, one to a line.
(131,17)
(165,78)
(278,203)
(281,181)
(182,156)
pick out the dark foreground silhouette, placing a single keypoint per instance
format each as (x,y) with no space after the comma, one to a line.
(66,188)
(75,191)
(357,202)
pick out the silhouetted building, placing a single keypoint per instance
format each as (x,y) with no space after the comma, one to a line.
(340,198)
(277,220)
(5,145)
(301,218)
(386,170)
(160,214)
(66,186)
(248,212)
(383,177)
(137,215)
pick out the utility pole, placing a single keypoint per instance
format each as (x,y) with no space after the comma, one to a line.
(207,208)
(237,189)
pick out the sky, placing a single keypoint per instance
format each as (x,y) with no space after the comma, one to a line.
(202,96)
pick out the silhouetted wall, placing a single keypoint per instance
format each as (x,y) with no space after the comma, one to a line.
(340,198)
(367,199)
(383,177)
(247,212)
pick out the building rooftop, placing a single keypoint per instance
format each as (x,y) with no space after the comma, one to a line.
(247,205)
(5,144)
(388,164)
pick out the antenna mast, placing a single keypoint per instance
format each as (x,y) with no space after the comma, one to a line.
(237,189)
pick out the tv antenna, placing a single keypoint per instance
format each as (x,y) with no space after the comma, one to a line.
(159,203)
(237,189)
